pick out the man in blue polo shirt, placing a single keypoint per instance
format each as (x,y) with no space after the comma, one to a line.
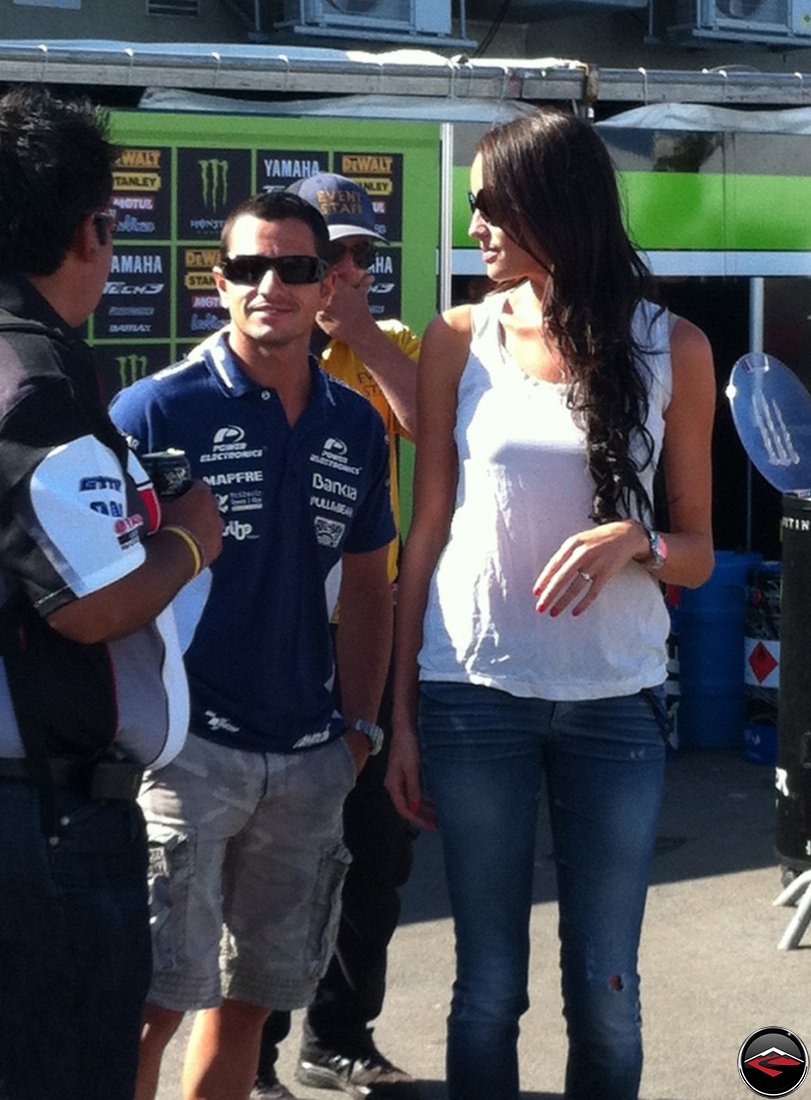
(245,827)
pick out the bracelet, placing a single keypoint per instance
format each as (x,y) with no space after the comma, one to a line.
(193,544)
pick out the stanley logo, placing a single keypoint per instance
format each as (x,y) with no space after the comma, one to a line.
(200,281)
(136,181)
(375,187)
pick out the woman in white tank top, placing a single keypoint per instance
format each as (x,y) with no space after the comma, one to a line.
(531,626)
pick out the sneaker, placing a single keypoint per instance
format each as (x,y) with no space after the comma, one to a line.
(362,1073)
(276,1091)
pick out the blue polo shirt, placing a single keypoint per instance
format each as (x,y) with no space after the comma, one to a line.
(293,500)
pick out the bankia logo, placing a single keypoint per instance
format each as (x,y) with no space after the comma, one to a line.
(773,1062)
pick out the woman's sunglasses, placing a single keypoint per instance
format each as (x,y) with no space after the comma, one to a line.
(293,270)
(363,253)
(480,202)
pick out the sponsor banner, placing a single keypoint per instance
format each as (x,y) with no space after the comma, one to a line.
(278,168)
(386,294)
(142,193)
(381,174)
(211,183)
(119,365)
(199,312)
(136,298)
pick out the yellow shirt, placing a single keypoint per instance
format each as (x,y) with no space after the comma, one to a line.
(342,363)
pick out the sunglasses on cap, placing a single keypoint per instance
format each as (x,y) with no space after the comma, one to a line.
(363,253)
(293,270)
(480,202)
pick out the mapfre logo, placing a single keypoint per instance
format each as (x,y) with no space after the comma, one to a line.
(229,434)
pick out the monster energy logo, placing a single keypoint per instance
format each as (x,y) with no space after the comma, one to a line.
(214,182)
(131,368)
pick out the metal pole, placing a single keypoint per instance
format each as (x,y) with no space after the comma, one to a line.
(756,299)
(446,214)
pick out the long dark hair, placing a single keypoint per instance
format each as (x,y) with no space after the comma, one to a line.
(549,183)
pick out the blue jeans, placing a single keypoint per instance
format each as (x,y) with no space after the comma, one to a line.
(74,947)
(485,755)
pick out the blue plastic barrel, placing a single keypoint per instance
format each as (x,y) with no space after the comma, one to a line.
(711,655)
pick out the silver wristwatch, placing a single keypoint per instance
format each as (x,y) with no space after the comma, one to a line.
(658,550)
(370,730)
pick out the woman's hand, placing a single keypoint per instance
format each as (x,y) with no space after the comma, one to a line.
(403,779)
(585,564)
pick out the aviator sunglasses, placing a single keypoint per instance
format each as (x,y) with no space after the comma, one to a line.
(363,253)
(293,270)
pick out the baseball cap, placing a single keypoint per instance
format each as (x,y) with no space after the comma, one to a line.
(345,205)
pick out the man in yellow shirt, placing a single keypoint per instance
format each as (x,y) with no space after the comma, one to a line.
(377,359)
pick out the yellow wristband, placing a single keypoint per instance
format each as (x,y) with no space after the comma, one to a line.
(193,545)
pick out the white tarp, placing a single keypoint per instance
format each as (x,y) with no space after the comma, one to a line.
(703,119)
(402,108)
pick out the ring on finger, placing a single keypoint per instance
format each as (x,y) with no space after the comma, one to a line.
(586,576)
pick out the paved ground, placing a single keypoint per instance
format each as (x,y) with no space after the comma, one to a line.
(710,967)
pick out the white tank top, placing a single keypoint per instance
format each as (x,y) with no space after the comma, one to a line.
(523,488)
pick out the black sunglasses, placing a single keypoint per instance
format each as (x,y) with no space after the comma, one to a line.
(293,270)
(107,220)
(480,202)
(363,253)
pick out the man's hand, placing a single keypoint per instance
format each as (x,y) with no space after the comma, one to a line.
(347,316)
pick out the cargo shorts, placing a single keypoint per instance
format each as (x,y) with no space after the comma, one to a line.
(247,863)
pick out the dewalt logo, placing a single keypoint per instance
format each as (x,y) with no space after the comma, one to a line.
(139,158)
(199,262)
(204,258)
(138,170)
(363,164)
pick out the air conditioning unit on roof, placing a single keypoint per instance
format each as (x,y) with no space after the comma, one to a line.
(756,20)
(369,18)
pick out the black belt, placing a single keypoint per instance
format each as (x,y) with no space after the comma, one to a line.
(113,780)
